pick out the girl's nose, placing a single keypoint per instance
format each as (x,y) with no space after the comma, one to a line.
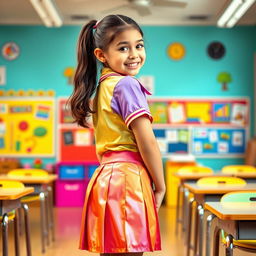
(133,54)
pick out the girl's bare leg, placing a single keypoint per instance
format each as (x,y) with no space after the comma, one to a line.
(122,254)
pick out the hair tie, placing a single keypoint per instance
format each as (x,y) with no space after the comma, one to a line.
(96,25)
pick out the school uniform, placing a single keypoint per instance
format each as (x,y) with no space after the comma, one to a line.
(119,212)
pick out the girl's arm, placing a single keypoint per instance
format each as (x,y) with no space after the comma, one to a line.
(150,154)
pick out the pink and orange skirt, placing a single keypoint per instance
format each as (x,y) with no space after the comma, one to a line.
(119,212)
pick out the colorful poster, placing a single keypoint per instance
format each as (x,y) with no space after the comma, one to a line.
(27,126)
(159,112)
(198,112)
(239,114)
(221,112)
(176,113)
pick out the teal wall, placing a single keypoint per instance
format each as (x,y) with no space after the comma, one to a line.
(45,53)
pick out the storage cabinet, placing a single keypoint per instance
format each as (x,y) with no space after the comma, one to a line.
(73,178)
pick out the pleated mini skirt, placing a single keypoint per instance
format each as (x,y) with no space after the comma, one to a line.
(119,213)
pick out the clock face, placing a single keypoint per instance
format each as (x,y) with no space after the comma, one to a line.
(10,51)
(176,51)
(216,50)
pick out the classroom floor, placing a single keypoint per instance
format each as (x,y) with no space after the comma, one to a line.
(67,229)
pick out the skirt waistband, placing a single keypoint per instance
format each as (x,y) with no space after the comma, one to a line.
(121,156)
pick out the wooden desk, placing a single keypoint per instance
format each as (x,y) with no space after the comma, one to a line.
(204,194)
(233,218)
(10,198)
(10,201)
(41,185)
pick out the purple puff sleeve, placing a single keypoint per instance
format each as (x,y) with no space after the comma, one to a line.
(129,100)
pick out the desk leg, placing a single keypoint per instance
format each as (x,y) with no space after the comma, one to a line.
(47,221)
(178,210)
(51,214)
(185,208)
(213,234)
(200,234)
(5,234)
(43,222)
(208,234)
(27,229)
(229,248)
(16,234)
(189,225)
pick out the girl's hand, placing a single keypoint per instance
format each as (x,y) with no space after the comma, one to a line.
(159,196)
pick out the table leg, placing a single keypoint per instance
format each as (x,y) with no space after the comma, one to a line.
(5,234)
(185,207)
(189,225)
(178,210)
(27,229)
(208,234)
(200,233)
(52,227)
(43,222)
(229,248)
(16,234)
(213,236)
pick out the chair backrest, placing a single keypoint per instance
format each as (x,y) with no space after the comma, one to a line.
(11,184)
(194,169)
(27,172)
(225,181)
(244,196)
(234,169)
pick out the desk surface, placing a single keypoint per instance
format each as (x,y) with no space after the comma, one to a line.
(31,179)
(198,175)
(232,211)
(14,193)
(219,189)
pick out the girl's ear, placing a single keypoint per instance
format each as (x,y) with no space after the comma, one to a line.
(99,55)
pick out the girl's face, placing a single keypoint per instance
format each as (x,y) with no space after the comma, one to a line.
(126,53)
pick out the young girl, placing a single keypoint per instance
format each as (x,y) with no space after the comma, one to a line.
(120,210)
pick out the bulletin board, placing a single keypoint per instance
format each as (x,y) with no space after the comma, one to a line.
(75,143)
(221,141)
(173,140)
(27,126)
(205,127)
(197,111)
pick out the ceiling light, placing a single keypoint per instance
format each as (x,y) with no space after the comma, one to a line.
(47,12)
(234,12)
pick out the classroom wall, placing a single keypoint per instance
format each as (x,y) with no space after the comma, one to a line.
(45,53)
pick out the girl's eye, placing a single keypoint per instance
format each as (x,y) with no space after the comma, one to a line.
(123,49)
(140,46)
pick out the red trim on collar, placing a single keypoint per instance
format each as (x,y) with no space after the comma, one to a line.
(102,78)
(107,75)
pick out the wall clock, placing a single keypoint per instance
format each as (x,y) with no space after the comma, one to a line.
(176,51)
(10,51)
(216,50)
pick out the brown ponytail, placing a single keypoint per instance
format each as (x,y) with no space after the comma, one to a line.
(85,76)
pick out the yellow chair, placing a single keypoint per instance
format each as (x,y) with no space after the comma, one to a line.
(216,181)
(12,216)
(236,169)
(244,196)
(41,196)
(194,169)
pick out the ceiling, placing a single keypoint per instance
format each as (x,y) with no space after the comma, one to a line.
(21,12)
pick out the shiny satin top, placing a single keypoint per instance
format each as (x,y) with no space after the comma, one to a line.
(118,101)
